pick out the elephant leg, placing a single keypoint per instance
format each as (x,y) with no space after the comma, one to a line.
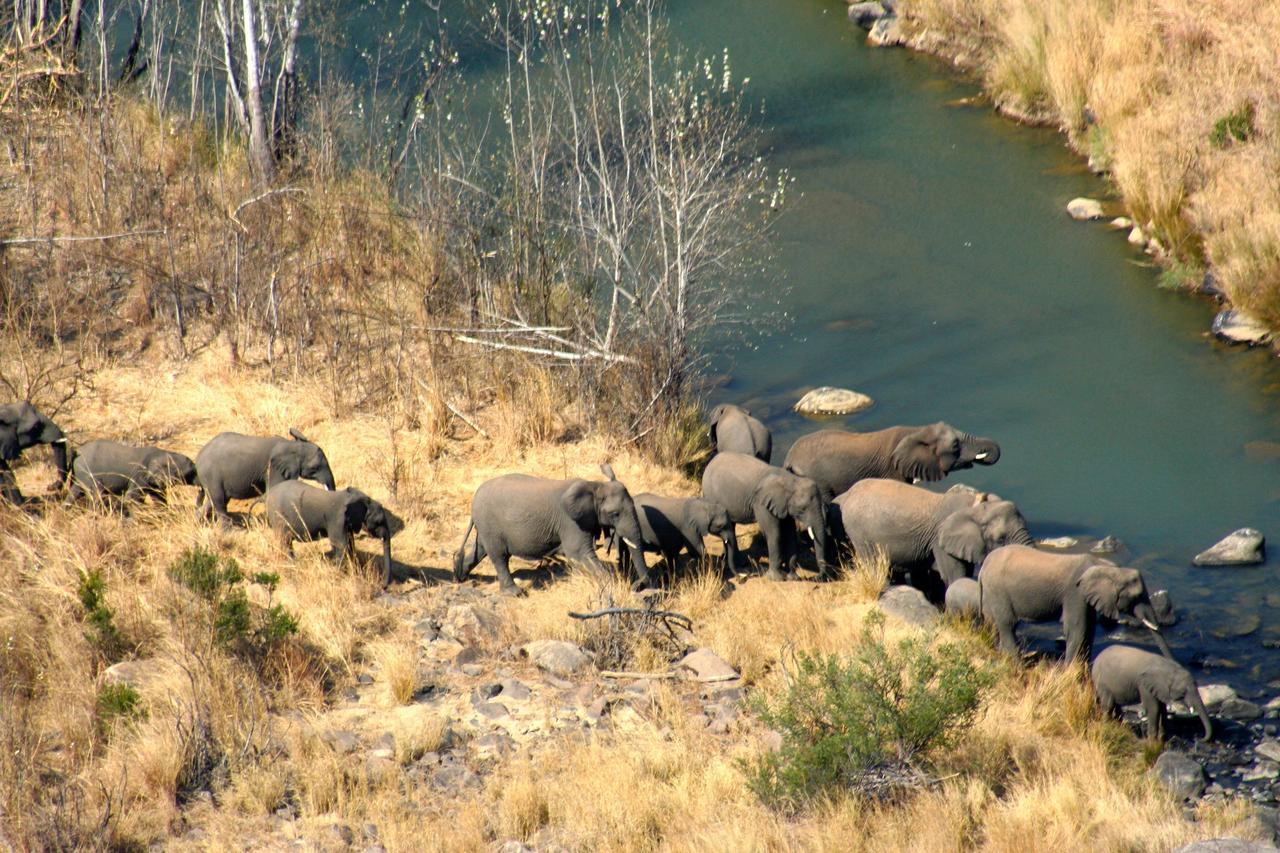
(1079,631)
(1153,708)
(9,485)
(343,547)
(506,584)
(772,530)
(216,505)
(791,549)
(948,567)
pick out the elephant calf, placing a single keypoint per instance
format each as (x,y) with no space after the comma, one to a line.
(734,430)
(671,525)
(296,510)
(22,426)
(534,517)
(1124,675)
(235,466)
(1022,583)
(964,598)
(109,468)
(755,491)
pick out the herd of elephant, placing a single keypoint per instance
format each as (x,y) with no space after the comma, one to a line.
(837,486)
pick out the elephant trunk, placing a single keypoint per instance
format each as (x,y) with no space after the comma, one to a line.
(627,529)
(325,478)
(386,558)
(730,540)
(1197,704)
(51,435)
(1147,614)
(816,526)
(982,451)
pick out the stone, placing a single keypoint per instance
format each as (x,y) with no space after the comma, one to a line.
(1240,710)
(1240,327)
(1062,542)
(909,604)
(1269,748)
(866,14)
(886,32)
(1225,845)
(514,691)
(1180,773)
(557,657)
(343,742)
(342,832)
(377,769)
(1244,547)
(1106,545)
(426,629)
(1261,771)
(832,401)
(705,665)
(1121,223)
(138,674)
(1163,606)
(1214,695)
(470,625)
(1084,209)
(493,745)
(491,710)
(1137,237)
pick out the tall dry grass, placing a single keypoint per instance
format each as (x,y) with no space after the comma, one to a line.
(1138,86)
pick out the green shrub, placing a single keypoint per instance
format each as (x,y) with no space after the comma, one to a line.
(237,625)
(863,721)
(92,591)
(1235,126)
(116,701)
(1181,275)
(205,573)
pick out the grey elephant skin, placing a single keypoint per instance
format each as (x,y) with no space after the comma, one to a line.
(964,599)
(517,515)
(949,533)
(734,430)
(111,469)
(296,510)
(22,427)
(835,459)
(669,526)
(775,499)
(235,466)
(1125,675)
(1021,583)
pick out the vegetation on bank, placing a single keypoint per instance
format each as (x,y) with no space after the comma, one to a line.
(1178,102)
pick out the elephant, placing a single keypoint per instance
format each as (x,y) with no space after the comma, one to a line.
(23,426)
(534,517)
(108,468)
(671,525)
(1124,675)
(239,466)
(734,430)
(296,510)
(835,459)
(915,527)
(775,499)
(964,598)
(1021,583)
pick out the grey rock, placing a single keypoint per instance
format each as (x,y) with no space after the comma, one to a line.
(557,657)
(886,32)
(343,742)
(514,691)
(1214,695)
(378,769)
(705,665)
(909,604)
(138,674)
(1137,237)
(1238,626)
(832,401)
(341,832)
(1240,710)
(426,629)
(370,831)
(493,745)
(1225,845)
(1261,771)
(1083,209)
(466,655)
(1106,545)
(472,669)
(1244,547)
(722,719)
(492,710)
(866,14)
(470,625)
(514,846)
(1239,327)
(1180,773)
(1059,542)
(1120,223)
(1163,606)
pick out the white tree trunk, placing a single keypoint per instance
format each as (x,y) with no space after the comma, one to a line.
(259,149)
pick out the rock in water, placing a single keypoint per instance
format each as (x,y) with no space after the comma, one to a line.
(1137,237)
(1244,547)
(886,32)
(866,14)
(1062,542)
(909,604)
(1084,209)
(832,401)
(1180,773)
(1237,327)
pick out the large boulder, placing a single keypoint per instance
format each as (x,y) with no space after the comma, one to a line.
(886,32)
(866,14)
(1238,327)
(705,665)
(909,604)
(558,657)
(1180,773)
(1244,547)
(1083,209)
(470,625)
(832,401)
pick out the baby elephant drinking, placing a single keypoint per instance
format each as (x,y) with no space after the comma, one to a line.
(1125,675)
(296,510)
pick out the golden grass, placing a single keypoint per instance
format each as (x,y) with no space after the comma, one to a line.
(1155,77)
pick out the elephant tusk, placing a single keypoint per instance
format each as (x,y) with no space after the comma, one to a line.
(1153,626)
(982,456)
(811,536)
(629,543)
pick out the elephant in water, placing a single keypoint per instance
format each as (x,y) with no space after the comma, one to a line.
(109,468)
(671,525)
(235,466)
(1124,675)
(534,517)
(776,500)
(22,427)
(734,430)
(835,459)
(1021,583)
(296,510)
(950,533)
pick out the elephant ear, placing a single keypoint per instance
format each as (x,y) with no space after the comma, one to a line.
(579,502)
(283,465)
(354,513)
(1103,588)
(607,469)
(775,493)
(916,457)
(296,434)
(716,414)
(961,537)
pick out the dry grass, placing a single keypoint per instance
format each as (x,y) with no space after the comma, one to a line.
(1156,76)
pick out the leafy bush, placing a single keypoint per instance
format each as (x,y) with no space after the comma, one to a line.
(103,634)
(204,572)
(864,721)
(116,701)
(1235,126)
(236,623)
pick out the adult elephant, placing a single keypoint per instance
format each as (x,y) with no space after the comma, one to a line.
(517,515)
(296,510)
(950,533)
(775,499)
(1021,583)
(1124,675)
(671,525)
(836,459)
(22,426)
(734,430)
(112,469)
(235,466)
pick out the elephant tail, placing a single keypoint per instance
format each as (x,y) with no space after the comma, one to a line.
(460,570)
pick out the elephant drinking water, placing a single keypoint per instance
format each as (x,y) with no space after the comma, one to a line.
(239,466)
(1124,675)
(534,517)
(23,427)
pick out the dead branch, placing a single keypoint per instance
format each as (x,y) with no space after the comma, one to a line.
(635,611)
(561,354)
(234,216)
(27,241)
(466,420)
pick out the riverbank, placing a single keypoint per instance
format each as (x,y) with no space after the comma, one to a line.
(1174,104)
